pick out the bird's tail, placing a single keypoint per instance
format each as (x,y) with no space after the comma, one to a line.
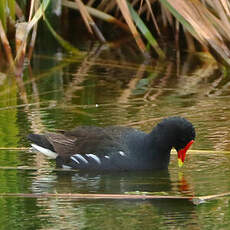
(42,144)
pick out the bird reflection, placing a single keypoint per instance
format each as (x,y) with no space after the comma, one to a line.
(116,182)
(154,182)
(167,212)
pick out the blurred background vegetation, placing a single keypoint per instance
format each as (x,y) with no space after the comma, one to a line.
(197,25)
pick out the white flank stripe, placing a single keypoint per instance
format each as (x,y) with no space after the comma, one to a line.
(107,157)
(80,157)
(74,159)
(121,153)
(66,167)
(96,158)
(45,151)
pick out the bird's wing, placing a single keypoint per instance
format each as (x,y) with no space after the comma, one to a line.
(86,140)
(62,144)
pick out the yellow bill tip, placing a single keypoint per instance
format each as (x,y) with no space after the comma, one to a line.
(180,163)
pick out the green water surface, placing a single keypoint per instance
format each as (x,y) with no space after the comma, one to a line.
(106,88)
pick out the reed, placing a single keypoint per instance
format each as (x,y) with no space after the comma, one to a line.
(9,9)
(203,22)
(196,200)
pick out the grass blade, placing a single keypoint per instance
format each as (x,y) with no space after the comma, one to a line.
(23,35)
(6,45)
(145,31)
(196,200)
(11,7)
(197,19)
(179,17)
(38,14)
(90,24)
(153,17)
(84,15)
(127,16)
(62,42)
(97,13)
(3,13)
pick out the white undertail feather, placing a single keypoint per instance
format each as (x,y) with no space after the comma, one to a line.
(66,167)
(47,152)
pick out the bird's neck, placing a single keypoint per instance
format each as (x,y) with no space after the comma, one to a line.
(161,143)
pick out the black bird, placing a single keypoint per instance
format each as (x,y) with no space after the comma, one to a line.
(116,148)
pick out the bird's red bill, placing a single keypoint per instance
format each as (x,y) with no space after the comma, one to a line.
(182,153)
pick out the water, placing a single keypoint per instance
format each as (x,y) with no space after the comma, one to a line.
(106,87)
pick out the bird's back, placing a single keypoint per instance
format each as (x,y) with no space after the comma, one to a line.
(96,140)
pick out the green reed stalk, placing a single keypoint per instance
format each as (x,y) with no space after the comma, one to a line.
(3,12)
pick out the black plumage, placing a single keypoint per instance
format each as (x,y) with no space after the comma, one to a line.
(117,148)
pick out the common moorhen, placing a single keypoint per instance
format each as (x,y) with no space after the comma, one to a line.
(116,148)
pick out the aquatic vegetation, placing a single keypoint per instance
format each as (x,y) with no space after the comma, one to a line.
(193,25)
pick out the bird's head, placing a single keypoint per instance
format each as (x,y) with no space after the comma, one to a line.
(179,133)
(184,137)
